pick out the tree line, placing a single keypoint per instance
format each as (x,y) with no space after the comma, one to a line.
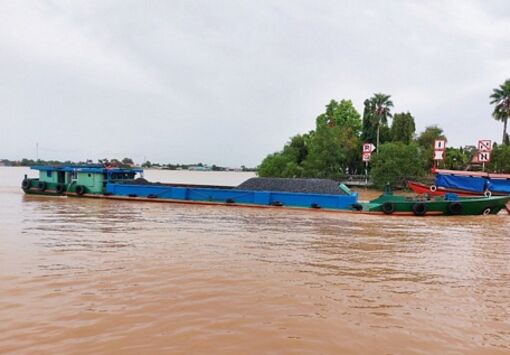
(333,149)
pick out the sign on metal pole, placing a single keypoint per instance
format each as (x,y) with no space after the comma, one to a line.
(366,156)
(368,147)
(438,154)
(439,144)
(484,145)
(484,157)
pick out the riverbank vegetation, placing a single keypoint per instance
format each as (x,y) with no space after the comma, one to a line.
(123,163)
(333,148)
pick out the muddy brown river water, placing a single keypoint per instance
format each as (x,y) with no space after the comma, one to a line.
(91,276)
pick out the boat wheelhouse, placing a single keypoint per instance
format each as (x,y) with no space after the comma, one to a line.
(76,179)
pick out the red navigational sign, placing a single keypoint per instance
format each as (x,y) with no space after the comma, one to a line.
(439,144)
(366,156)
(484,145)
(368,147)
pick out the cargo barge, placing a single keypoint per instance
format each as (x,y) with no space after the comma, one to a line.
(129,184)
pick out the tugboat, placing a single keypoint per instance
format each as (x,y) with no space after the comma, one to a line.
(449,204)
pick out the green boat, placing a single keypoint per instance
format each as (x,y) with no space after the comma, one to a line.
(447,205)
(77,180)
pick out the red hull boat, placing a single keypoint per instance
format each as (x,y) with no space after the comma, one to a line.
(434,190)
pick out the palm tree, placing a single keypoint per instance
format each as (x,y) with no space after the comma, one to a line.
(501,98)
(381,104)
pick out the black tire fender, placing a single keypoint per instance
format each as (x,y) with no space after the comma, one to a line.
(25,184)
(60,188)
(80,190)
(455,208)
(419,209)
(357,206)
(41,186)
(388,207)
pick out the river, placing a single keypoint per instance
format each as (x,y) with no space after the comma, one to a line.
(93,276)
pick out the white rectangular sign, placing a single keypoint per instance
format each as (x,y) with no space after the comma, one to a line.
(484,145)
(366,156)
(368,147)
(484,157)
(438,154)
(439,144)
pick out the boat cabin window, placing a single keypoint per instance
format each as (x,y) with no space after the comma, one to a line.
(122,176)
(48,173)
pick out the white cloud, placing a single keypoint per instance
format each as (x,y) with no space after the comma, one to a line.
(227,82)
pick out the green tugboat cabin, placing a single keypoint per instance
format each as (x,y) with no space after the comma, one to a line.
(76,179)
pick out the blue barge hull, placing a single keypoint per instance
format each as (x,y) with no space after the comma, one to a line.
(229,195)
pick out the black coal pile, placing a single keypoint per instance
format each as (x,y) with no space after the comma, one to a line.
(318,186)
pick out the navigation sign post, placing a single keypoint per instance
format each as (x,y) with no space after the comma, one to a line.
(439,144)
(438,154)
(484,151)
(484,157)
(439,149)
(368,147)
(484,145)
(366,155)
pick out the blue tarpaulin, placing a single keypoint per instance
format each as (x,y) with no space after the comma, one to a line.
(467,183)
(500,185)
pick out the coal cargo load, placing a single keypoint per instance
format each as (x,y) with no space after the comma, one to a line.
(312,186)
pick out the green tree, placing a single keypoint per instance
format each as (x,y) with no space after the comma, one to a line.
(396,163)
(341,114)
(403,128)
(127,161)
(330,152)
(456,158)
(500,159)
(286,163)
(275,165)
(429,135)
(426,141)
(379,107)
(501,99)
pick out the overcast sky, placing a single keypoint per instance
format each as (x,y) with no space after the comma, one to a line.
(228,82)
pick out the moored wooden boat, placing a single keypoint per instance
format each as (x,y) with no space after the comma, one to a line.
(447,205)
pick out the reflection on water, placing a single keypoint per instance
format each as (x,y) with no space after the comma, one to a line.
(81,275)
